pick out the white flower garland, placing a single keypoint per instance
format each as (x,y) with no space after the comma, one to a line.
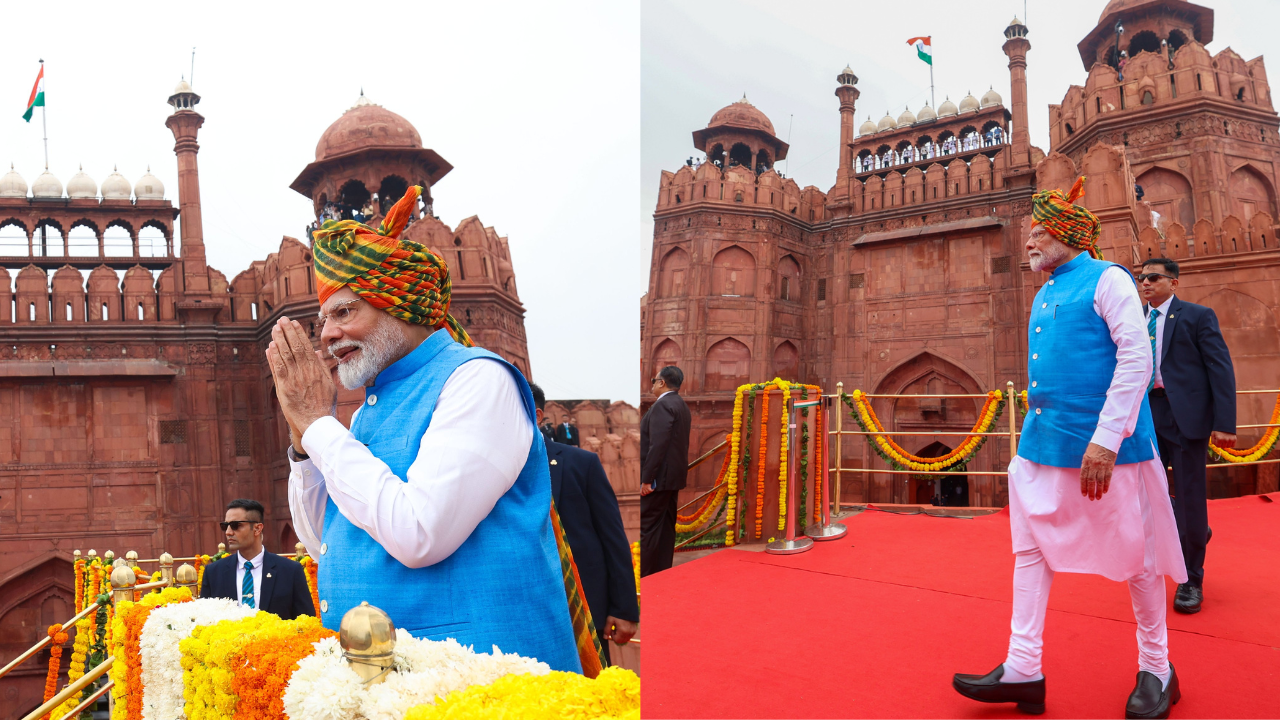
(165,628)
(324,687)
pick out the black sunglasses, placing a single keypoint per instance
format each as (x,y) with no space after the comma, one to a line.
(1153,277)
(235,525)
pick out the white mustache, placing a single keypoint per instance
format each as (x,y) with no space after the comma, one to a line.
(343,345)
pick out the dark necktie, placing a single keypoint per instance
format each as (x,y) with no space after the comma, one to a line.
(1155,359)
(246,587)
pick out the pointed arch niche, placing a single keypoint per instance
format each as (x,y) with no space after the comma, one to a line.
(1250,193)
(786,362)
(673,274)
(728,365)
(667,353)
(1170,195)
(733,273)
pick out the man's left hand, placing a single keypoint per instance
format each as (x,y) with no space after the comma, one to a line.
(1226,441)
(619,631)
(645,489)
(304,385)
(1095,471)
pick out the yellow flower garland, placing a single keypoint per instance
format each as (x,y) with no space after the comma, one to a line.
(783,448)
(1259,449)
(555,696)
(986,418)
(735,454)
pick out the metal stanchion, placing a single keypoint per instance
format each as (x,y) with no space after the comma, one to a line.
(824,529)
(790,545)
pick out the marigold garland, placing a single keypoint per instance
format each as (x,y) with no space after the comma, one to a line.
(802,469)
(556,695)
(731,479)
(895,455)
(764,445)
(311,570)
(1259,449)
(55,662)
(710,505)
(784,449)
(635,563)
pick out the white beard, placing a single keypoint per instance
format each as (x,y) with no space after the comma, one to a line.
(386,343)
(1050,258)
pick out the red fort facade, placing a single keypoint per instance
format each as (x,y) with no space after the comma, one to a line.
(135,402)
(908,275)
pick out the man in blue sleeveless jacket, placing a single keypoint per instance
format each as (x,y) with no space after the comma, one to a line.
(1087,492)
(435,505)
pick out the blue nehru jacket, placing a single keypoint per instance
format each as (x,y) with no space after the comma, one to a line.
(503,586)
(1071,362)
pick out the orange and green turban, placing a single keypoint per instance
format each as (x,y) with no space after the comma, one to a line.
(1066,221)
(399,276)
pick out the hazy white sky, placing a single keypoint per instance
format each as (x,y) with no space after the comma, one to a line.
(699,57)
(536,105)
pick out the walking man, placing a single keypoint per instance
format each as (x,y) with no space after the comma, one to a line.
(664,463)
(1193,400)
(1089,369)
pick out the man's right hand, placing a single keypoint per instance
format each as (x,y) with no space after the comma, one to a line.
(645,489)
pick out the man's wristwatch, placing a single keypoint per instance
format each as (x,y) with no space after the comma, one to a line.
(296,456)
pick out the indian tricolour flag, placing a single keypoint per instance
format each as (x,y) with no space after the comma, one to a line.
(923,48)
(37,96)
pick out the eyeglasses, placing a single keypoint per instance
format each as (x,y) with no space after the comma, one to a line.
(1153,277)
(655,381)
(340,314)
(235,525)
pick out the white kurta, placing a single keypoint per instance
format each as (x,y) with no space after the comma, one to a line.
(1132,528)
(471,454)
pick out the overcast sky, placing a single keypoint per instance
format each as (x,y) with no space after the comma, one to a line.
(699,57)
(536,106)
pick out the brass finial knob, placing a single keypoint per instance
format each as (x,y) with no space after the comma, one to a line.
(368,639)
(109,555)
(186,575)
(122,582)
(93,553)
(118,562)
(76,554)
(166,560)
(132,558)
(222,547)
(300,549)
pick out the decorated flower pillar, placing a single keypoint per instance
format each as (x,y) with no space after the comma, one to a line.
(760,478)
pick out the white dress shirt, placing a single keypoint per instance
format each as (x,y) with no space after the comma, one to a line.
(1164,312)
(471,454)
(257,576)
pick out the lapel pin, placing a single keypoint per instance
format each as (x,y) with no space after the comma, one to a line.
(268,574)
(553,462)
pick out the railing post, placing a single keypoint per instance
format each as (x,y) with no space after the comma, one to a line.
(166,568)
(839,403)
(822,527)
(790,545)
(186,577)
(122,581)
(1012,406)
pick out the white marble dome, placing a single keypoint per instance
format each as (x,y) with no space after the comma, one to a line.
(968,103)
(868,128)
(81,186)
(46,186)
(992,98)
(906,118)
(116,187)
(886,123)
(947,108)
(12,185)
(148,187)
(926,113)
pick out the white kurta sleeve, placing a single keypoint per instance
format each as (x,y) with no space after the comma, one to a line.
(471,454)
(1116,301)
(307,500)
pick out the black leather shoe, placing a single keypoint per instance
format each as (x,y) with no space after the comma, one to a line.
(988,689)
(1188,601)
(1148,701)
(1208,536)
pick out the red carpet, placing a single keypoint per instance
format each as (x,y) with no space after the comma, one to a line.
(874,625)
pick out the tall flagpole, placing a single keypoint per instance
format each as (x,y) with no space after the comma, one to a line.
(932,99)
(44,118)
